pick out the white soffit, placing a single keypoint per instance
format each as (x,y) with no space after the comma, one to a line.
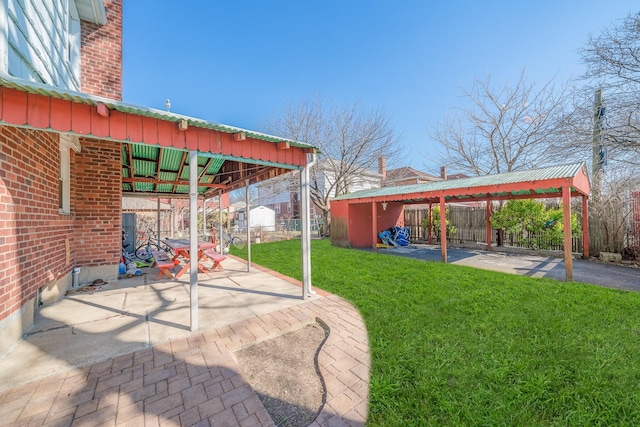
(92,11)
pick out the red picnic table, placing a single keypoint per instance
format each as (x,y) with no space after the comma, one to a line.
(181,248)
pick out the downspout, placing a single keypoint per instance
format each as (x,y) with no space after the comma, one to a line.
(306,228)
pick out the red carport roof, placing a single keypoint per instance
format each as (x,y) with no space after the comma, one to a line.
(536,183)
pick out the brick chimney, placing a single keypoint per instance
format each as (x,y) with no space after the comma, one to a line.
(101,54)
(382,170)
(443,172)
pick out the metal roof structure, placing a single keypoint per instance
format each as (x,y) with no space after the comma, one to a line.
(535,183)
(156,143)
(357,218)
(164,153)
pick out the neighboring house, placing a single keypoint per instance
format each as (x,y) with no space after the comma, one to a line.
(407,176)
(237,216)
(180,208)
(282,193)
(325,177)
(282,196)
(445,175)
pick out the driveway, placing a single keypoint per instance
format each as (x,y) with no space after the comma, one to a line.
(596,273)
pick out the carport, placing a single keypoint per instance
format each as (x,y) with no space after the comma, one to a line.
(357,218)
(162,155)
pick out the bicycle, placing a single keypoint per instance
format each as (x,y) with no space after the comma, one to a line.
(227,240)
(126,258)
(143,251)
(230,240)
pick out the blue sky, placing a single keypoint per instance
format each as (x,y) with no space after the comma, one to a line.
(239,62)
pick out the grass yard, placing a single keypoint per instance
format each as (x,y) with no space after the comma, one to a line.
(453,345)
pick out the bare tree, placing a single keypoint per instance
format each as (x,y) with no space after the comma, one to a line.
(610,219)
(502,129)
(350,140)
(613,64)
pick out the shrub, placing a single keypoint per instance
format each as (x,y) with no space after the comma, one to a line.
(451,229)
(534,225)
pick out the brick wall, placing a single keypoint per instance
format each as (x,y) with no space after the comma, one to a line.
(101,54)
(35,239)
(98,203)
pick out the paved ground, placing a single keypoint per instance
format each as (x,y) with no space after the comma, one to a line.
(597,273)
(124,355)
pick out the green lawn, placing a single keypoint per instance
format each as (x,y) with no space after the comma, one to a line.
(453,345)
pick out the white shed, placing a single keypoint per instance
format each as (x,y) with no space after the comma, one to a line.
(263,217)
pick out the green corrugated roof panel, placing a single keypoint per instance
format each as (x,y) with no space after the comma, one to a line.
(83,98)
(165,188)
(182,189)
(171,160)
(142,151)
(186,170)
(144,168)
(215,166)
(168,176)
(547,190)
(144,186)
(553,172)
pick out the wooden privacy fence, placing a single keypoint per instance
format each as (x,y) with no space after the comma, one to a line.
(612,227)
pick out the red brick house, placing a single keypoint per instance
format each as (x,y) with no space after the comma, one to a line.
(57,207)
(70,148)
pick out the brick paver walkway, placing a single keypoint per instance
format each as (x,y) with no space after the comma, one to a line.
(196,381)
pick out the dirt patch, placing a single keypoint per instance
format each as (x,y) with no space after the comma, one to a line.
(283,372)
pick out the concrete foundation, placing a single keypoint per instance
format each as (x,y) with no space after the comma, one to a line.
(108,273)
(13,328)
(53,291)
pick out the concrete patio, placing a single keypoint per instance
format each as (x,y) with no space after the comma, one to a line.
(123,354)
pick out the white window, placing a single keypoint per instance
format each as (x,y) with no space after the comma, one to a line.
(276,208)
(67,143)
(288,207)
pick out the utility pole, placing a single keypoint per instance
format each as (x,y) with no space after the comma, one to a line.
(598,158)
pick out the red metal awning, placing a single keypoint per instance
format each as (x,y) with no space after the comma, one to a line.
(154,159)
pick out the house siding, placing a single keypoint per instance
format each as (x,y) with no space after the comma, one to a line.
(37,48)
